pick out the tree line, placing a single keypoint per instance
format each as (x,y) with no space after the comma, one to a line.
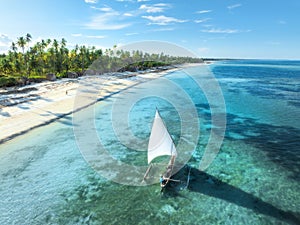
(53,56)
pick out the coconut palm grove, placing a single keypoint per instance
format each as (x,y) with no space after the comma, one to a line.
(26,61)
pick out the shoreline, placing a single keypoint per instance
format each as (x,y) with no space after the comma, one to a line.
(26,108)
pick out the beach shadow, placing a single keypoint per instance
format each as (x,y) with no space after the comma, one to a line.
(23,107)
(5,114)
(65,118)
(19,91)
(5,102)
(17,100)
(201,182)
(46,99)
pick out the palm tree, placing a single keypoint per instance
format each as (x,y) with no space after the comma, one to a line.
(13,56)
(55,56)
(28,38)
(64,52)
(13,47)
(55,45)
(82,54)
(5,66)
(21,43)
(32,60)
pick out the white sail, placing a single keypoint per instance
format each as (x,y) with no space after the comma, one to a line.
(160,142)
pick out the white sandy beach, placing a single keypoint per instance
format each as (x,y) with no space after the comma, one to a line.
(26,108)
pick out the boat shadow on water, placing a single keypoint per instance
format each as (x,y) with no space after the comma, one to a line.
(209,185)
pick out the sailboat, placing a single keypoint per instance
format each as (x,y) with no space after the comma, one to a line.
(160,144)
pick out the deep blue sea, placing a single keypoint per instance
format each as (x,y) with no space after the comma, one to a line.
(253,179)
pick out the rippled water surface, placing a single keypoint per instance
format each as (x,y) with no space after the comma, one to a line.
(253,180)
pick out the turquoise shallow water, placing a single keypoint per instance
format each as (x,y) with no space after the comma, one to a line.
(253,180)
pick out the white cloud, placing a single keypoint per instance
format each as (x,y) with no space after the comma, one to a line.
(204,11)
(124,0)
(89,36)
(234,6)
(130,34)
(163,20)
(163,29)
(91,1)
(76,35)
(5,43)
(202,21)
(221,31)
(143,0)
(103,9)
(156,8)
(128,14)
(225,31)
(96,36)
(162,5)
(5,40)
(106,21)
(207,25)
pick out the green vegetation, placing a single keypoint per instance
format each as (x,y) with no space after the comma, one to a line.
(7,81)
(23,63)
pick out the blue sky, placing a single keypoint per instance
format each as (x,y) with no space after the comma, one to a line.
(209,28)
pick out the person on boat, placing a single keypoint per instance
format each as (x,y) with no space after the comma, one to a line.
(163,181)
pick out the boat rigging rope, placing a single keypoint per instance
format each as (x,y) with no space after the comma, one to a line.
(188,180)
